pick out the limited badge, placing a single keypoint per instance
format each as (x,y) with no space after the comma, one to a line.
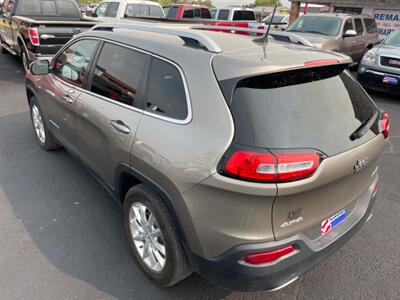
(331,222)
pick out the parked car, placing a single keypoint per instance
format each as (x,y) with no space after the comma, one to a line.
(233,14)
(38,29)
(223,191)
(187,11)
(352,35)
(120,9)
(279,22)
(380,67)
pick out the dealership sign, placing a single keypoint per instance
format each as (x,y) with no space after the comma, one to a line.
(387,20)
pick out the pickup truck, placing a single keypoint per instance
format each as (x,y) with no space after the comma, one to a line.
(233,14)
(120,9)
(37,29)
(186,11)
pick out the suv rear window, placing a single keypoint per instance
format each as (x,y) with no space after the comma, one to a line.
(243,15)
(48,8)
(298,110)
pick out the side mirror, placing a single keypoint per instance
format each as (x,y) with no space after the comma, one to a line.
(40,67)
(94,14)
(350,33)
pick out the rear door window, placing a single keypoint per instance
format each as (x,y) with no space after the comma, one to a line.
(370,25)
(197,13)
(118,74)
(213,13)
(166,93)
(205,13)
(72,64)
(188,13)
(359,26)
(113,9)
(223,14)
(297,110)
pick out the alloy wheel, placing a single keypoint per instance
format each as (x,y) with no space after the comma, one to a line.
(38,124)
(147,237)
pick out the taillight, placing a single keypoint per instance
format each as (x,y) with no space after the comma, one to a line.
(34,36)
(268,257)
(268,167)
(384,124)
(321,62)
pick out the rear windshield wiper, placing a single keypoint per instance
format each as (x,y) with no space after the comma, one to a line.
(363,129)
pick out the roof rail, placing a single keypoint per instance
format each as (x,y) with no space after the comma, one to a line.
(187,35)
(282,36)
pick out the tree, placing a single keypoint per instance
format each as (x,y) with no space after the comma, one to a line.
(268,3)
(207,3)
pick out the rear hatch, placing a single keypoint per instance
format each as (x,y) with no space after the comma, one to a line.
(314,110)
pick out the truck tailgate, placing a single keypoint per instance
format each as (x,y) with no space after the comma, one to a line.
(53,36)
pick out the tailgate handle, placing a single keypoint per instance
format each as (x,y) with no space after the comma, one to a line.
(47,36)
(120,126)
(67,98)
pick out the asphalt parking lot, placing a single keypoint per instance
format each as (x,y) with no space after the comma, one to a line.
(61,234)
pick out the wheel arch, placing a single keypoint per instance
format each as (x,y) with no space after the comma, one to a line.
(30,92)
(126,177)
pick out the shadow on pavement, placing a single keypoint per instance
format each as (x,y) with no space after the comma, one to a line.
(73,221)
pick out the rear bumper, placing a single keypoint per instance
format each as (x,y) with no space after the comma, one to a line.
(373,79)
(229,271)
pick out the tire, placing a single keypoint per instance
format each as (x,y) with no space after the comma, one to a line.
(176,266)
(42,134)
(3,50)
(25,60)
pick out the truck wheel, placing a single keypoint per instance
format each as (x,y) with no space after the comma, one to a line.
(42,134)
(153,238)
(3,50)
(25,60)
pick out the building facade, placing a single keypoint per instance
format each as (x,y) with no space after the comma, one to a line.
(385,12)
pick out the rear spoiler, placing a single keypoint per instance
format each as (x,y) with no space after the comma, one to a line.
(282,36)
(309,71)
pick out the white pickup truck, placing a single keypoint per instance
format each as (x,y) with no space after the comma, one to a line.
(121,9)
(233,14)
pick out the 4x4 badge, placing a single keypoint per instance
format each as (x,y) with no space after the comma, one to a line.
(361,164)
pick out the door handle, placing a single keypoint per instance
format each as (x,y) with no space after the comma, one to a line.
(67,98)
(120,126)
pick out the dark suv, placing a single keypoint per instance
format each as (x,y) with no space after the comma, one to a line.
(249,167)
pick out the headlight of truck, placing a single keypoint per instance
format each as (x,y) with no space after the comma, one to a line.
(369,58)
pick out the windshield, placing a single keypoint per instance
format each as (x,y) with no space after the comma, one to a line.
(276,19)
(317,24)
(393,39)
